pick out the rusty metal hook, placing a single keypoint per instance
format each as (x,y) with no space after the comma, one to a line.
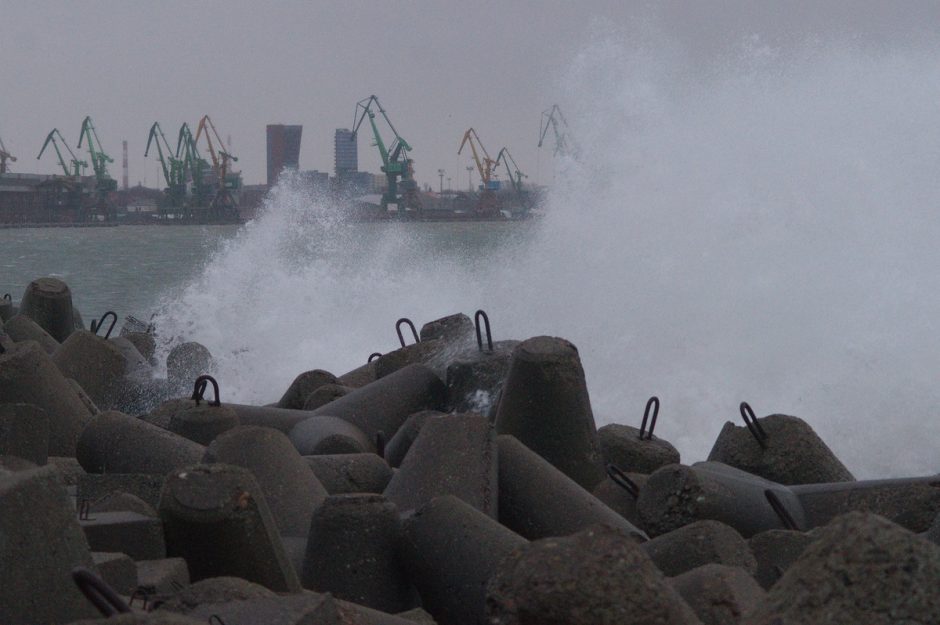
(95,326)
(84,511)
(374,355)
(401,338)
(199,389)
(753,425)
(8,297)
(99,592)
(652,402)
(781,511)
(143,593)
(380,443)
(215,619)
(621,479)
(486,322)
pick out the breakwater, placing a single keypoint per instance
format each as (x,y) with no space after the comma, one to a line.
(459,478)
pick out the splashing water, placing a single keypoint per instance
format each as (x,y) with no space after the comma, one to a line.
(764,231)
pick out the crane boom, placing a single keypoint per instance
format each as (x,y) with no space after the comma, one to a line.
(78,166)
(484,167)
(157,133)
(4,157)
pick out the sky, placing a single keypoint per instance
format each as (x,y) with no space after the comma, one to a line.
(438,68)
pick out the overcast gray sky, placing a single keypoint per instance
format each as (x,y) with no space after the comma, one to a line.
(438,67)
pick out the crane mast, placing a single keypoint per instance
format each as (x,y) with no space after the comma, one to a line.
(401,189)
(515,177)
(4,157)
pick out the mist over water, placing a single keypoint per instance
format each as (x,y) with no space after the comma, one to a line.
(761,227)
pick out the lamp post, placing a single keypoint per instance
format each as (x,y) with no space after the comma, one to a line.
(448,183)
(440,172)
(469,178)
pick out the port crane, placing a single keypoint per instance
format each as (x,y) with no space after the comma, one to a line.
(75,167)
(172,166)
(515,176)
(224,202)
(4,157)
(104,183)
(194,167)
(564,144)
(485,167)
(401,189)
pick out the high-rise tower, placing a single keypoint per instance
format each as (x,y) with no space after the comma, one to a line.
(283,149)
(346,153)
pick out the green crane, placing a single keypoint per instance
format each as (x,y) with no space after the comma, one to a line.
(194,168)
(74,167)
(172,166)
(396,165)
(4,157)
(564,142)
(104,183)
(515,177)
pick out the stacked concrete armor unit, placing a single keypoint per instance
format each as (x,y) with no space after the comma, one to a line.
(448,482)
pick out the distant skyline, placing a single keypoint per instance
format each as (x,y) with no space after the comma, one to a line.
(438,68)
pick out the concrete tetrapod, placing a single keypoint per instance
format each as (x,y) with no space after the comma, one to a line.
(202,421)
(381,406)
(398,445)
(537,500)
(95,363)
(290,488)
(545,404)
(719,594)
(621,445)
(113,442)
(352,552)
(450,550)
(21,328)
(28,376)
(676,495)
(303,385)
(40,543)
(24,432)
(698,544)
(216,518)
(794,453)
(350,473)
(48,302)
(862,568)
(598,576)
(475,378)
(453,455)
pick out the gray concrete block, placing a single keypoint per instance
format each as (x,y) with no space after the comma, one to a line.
(24,432)
(117,570)
(352,552)
(775,551)
(621,445)
(303,385)
(163,576)
(545,405)
(21,328)
(95,486)
(290,487)
(323,435)
(719,594)
(350,473)
(453,455)
(95,363)
(137,535)
(41,544)
(698,544)
(48,302)
(401,442)
(215,516)
(598,576)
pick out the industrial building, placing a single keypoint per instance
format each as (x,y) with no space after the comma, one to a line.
(283,149)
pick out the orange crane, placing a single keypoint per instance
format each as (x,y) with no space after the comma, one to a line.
(484,167)
(4,157)
(223,200)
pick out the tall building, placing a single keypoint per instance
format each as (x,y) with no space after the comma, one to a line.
(345,153)
(283,149)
